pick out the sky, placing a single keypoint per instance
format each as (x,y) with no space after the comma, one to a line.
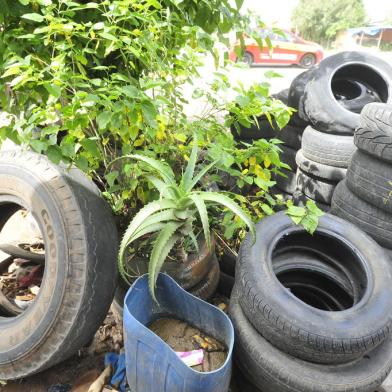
(278,12)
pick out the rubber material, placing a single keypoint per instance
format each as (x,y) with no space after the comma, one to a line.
(374,135)
(319,170)
(322,108)
(206,288)
(291,136)
(300,329)
(331,150)
(226,283)
(372,220)
(371,180)
(316,188)
(300,200)
(271,370)
(81,250)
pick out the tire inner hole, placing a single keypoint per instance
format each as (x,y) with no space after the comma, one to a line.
(319,270)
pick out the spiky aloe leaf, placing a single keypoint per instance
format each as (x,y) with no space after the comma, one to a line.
(218,198)
(163,189)
(162,246)
(190,168)
(139,218)
(200,175)
(202,209)
(194,240)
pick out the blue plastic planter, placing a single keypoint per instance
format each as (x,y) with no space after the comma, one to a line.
(152,366)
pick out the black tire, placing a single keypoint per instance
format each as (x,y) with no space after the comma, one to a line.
(80,264)
(319,170)
(374,135)
(264,130)
(353,95)
(248,58)
(300,199)
(227,263)
(323,108)
(331,150)
(282,95)
(291,136)
(295,99)
(371,180)
(206,288)
(287,184)
(17,250)
(315,188)
(272,370)
(376,222)
(308,60)
(226,283)
(298,328)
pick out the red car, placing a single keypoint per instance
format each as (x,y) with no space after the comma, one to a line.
(286,49)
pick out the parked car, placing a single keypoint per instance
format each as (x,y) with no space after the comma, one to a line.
(287,48)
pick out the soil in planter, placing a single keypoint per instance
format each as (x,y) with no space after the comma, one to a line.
(181,336)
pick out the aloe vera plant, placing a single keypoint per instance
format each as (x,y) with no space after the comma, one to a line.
(172,217)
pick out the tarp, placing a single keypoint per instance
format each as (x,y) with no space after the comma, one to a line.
(371,30)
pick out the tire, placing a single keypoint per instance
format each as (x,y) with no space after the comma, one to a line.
(287,184)
(308,60)
(319,170)
(362,95)
(264,130)
(227,263)
(272,370)
(375,222)
(331,150)
(300,200)
(374,136)
(206,288)
(248,58)
(295,99)
(297,328)
(81,251)
(323,108)
(226,283)
(291,136)
(315,188)
(282,95)
(17,250)
(371,180)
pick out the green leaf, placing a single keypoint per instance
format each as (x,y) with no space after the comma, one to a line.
(186,179)
(218,198)
(200,175)
(53,90)
(149,113)
(91,146)
(162,246)
(34,17)
(103,119)
(130,91)
(160,186)
(54,154)
(201,208)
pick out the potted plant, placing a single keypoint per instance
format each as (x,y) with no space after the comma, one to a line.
(170,221)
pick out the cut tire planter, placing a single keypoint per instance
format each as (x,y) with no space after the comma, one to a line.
(331,150)
(298,328)
(81,248)
(374,136)
(320,170)
(376,222)
(143,347)
(317,189)
(271,370)
(371,180)
(321,106)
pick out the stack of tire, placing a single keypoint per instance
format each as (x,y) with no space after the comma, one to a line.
(334,96)
(312,313)
(365,197)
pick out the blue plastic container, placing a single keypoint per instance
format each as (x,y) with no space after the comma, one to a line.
(152,366)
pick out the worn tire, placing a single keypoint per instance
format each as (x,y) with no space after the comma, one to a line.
(291,136)
(331,150)
(227,263)
(376,222)
(374,136)
(288,183)
(321,106)
(371,180)
(271,370)
(226,283)
(302,330)
(206,288)
(282,95)
(300,199)
(264,130)
(81,250)
(315,188)
(319,170)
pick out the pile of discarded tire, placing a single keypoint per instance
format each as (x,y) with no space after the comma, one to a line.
(312,313)
(335,93)
(365,197)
